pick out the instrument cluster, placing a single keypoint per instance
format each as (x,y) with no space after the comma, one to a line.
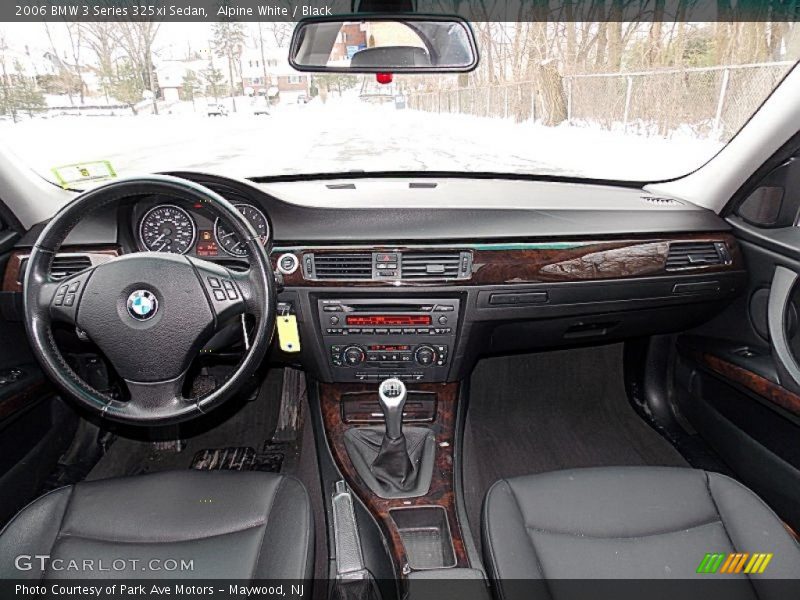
(161,225)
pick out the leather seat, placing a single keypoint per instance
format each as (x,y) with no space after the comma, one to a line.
(243,525)
(626,522)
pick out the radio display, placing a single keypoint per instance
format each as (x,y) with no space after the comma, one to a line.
(387,320)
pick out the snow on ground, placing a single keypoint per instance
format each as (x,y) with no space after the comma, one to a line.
(342,135)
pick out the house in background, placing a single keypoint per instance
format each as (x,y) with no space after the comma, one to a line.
(272,74)
(171,74)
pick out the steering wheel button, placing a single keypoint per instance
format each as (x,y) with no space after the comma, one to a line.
(219,295)
(59,300)
(232,294)
(213,282)
(69,300)
(74,286)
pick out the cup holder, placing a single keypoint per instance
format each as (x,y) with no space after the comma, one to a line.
(425,533)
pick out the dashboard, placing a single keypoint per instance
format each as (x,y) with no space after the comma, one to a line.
(419,278)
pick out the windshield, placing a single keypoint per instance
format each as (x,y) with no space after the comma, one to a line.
(612,101)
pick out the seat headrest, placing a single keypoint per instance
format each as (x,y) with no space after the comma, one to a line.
(391,56)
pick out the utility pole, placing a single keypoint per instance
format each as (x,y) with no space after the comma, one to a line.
(263,63)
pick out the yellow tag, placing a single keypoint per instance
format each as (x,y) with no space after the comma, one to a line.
(288,336)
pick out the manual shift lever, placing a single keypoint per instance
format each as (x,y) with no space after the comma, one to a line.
(392,462)
(392,394)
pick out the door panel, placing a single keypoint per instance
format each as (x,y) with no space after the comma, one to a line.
(35,426)
(737,378)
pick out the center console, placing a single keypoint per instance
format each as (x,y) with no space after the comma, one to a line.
(372,339)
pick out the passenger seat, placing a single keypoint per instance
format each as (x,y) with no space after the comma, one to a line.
(624,523)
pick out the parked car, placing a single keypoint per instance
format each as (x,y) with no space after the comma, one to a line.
(215,109)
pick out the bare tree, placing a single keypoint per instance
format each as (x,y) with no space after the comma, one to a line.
(100,37)
(8,104)
(137,39)
(74,34)
(227,42)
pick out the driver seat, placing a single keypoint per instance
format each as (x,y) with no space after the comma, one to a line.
(229,524)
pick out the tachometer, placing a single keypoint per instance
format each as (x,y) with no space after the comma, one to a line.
(167,228)
(230,242)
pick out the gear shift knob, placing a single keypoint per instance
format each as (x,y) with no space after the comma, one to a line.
(392,394)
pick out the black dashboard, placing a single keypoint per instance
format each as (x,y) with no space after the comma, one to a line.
(418,278)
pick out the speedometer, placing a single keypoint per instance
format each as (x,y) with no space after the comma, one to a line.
(227,238)
(167,228)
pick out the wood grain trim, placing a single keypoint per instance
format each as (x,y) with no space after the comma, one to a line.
(541,262)
(442,488)
(16,402)
(11,278)
(766,389)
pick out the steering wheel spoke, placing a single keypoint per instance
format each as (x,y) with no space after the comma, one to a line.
(157,398)
(223,287)
(62,298)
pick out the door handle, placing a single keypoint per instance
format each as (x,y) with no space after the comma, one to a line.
(783,281)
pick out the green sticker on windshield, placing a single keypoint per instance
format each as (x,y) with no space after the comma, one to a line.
(68,175)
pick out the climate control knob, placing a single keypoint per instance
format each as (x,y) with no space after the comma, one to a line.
(425,356)
(353,356)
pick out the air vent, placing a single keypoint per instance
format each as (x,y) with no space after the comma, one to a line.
(66,265)
(435,265)
(340,266)
(693,255)
(661,201)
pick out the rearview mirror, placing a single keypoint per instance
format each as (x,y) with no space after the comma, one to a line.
(384,44)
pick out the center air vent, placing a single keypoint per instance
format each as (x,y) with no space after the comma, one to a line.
(435,265)
(339,266)
(693,255)
(66,265)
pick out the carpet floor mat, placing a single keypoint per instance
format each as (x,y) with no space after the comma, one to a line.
(555,410)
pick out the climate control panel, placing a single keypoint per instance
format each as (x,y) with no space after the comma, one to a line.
(373,339)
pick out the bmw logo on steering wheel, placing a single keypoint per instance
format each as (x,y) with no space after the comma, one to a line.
(142,305)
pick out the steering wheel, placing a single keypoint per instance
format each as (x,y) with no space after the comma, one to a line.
(150,313)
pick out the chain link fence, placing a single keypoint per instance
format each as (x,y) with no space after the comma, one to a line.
(704,102)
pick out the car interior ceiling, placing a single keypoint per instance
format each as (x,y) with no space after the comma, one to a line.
(371,392)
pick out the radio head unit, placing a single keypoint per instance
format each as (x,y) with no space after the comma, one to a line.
(369,339)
